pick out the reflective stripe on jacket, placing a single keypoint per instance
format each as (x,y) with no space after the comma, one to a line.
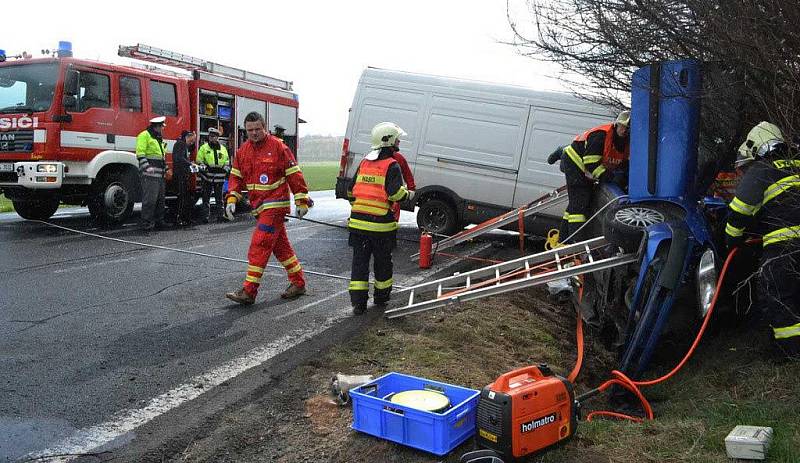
(370,188)
(376,186)
(269,172)
(586,153)
(150,153)
(216,162)
(766,203)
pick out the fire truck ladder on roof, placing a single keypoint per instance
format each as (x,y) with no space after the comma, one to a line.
(551,199)
(190,63)
(535,269)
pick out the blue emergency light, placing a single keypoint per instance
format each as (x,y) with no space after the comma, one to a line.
(64,49)
(2,55)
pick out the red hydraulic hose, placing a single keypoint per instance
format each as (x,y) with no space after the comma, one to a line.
(579,336)
(621,379)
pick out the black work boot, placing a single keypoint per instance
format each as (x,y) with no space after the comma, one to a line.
(359,309)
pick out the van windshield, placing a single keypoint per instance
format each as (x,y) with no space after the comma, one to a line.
(27,87)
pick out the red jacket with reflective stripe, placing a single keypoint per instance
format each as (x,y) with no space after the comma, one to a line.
(269,172)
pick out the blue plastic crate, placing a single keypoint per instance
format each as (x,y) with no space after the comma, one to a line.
(437,433)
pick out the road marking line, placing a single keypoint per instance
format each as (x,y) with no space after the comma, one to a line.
(88,439)
(300,309)
(96,264)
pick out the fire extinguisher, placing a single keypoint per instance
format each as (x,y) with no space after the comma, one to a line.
(425,244)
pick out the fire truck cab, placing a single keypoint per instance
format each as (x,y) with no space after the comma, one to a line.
(68,126)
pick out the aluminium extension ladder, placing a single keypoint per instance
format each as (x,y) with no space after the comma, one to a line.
(553,198)
(534,269)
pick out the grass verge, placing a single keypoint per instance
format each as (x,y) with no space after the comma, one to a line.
(729,381)
(5,204)
(320,175)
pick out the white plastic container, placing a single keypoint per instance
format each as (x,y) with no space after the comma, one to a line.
(748,442)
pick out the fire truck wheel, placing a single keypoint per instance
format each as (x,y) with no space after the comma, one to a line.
(36,210)
(625,224)
(112,197)
(437,216)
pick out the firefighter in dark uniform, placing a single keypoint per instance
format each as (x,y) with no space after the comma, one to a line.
(600,154)
(377,184)
(767,204)
(151,154)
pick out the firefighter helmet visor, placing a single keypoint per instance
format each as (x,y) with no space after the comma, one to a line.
(386,134)
(762,139)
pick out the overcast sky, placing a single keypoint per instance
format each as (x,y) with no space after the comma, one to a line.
(322,46)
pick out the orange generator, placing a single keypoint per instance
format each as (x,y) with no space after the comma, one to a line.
(526,410)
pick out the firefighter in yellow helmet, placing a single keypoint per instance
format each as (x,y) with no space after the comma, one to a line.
(767,205)
(377,184)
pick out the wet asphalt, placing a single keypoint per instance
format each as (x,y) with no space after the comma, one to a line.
(90,328)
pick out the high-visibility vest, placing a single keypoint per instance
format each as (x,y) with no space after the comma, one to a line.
(610,158)
(370,188)
(216,161)
(371,207)
(151,154)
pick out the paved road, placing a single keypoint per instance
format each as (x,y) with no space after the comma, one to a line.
(98,337)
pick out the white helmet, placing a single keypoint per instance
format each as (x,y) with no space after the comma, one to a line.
(624,118)
(386,134)
(761,140)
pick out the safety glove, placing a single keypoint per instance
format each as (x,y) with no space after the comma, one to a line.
(230,208)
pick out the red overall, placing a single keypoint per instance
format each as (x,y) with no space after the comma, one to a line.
(269,172)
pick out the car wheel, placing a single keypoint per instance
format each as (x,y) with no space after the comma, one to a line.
(625,224)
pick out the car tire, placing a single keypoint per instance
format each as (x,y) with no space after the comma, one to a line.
(41,209)
(601,196)
(625,224)
(438,217)
(112,196)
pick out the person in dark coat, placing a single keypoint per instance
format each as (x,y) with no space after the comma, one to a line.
(181,162)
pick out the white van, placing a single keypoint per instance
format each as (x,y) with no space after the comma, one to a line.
(476,149)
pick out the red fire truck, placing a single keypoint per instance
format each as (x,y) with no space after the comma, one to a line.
(68,126)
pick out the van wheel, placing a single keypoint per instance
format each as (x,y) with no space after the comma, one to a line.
(437,216)
(36,210)
(112,197)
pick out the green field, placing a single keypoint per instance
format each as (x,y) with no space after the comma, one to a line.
(5,204)
(320,175)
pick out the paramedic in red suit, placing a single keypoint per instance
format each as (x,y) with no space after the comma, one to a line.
(267,169)
(408,179)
